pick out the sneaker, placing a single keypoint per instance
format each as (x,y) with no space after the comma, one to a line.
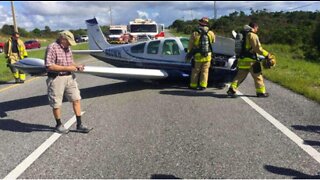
(21,81)
(202,88)
(231,92)
(18,81)
(61,129)
(83,129)
(262,94)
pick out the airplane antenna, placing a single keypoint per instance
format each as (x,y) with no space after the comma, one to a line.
(14,18)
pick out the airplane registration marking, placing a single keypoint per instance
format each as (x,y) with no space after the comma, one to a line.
(113,53)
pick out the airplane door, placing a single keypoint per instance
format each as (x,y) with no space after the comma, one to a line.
(170,50)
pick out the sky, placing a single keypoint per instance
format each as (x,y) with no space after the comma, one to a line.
(67,15)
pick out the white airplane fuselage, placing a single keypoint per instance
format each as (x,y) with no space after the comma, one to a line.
(152,59)
(167,54)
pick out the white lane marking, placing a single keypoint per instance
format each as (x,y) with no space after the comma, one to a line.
(16,172)
(12,86)
(307,148)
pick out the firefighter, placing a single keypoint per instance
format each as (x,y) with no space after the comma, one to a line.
(200,48)
(248,62)
(15,50)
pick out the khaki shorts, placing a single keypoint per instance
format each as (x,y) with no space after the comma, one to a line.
(62,86)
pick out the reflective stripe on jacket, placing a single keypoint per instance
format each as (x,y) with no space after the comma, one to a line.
(21,48)
(253,45)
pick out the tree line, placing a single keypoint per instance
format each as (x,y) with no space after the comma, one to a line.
(299,28)
(37,33)
(46,32)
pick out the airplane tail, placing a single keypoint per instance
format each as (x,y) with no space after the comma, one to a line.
(97,41)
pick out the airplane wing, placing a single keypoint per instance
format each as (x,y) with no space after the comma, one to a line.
(35,66)
(125,73)
(86,51)
(32,66)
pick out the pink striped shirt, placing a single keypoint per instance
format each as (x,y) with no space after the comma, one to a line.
(56,54)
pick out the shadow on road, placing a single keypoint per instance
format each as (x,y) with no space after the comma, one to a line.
(192,93)
(7,82)
(308,128)
(189,92)
(315,129)
(163,176)
(290,172)
(91,92)
(311,143)
(17,126)
(111,89)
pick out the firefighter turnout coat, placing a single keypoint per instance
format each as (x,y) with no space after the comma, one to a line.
(202,63)
(248,63)
(13,57)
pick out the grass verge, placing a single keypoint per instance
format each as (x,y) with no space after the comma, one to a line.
(5,74)
(293,72)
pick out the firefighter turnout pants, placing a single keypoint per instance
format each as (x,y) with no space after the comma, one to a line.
(257,77)
(199,74)
(15,72)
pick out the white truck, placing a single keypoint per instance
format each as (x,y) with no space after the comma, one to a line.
(142,28)
(118,34)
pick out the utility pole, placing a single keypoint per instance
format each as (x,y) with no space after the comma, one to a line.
(110,11)
(15,27)
(191,13)
(215,9)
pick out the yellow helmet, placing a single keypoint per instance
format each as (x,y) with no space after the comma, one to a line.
(270,61)
(204,21)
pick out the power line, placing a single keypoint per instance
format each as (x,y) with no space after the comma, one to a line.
(303,6)
(266,4)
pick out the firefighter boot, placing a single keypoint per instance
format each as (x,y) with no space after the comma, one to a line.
(262,94)
(17,80)
(22,77)
(231,92)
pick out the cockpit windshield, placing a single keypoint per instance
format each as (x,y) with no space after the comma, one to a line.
(115,31)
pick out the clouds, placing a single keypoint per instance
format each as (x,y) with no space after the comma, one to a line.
(60,15)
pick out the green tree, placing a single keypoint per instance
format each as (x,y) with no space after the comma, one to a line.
(23,32)
(47,30)
(36,32)
(7,29)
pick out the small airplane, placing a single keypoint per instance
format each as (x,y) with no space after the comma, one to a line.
(151,59)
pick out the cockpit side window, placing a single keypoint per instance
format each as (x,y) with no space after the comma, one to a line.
(170,47)
(185,42)
(153,47)
(139,48)
(175,49)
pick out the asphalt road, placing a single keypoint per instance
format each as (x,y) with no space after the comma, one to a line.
(159,130)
